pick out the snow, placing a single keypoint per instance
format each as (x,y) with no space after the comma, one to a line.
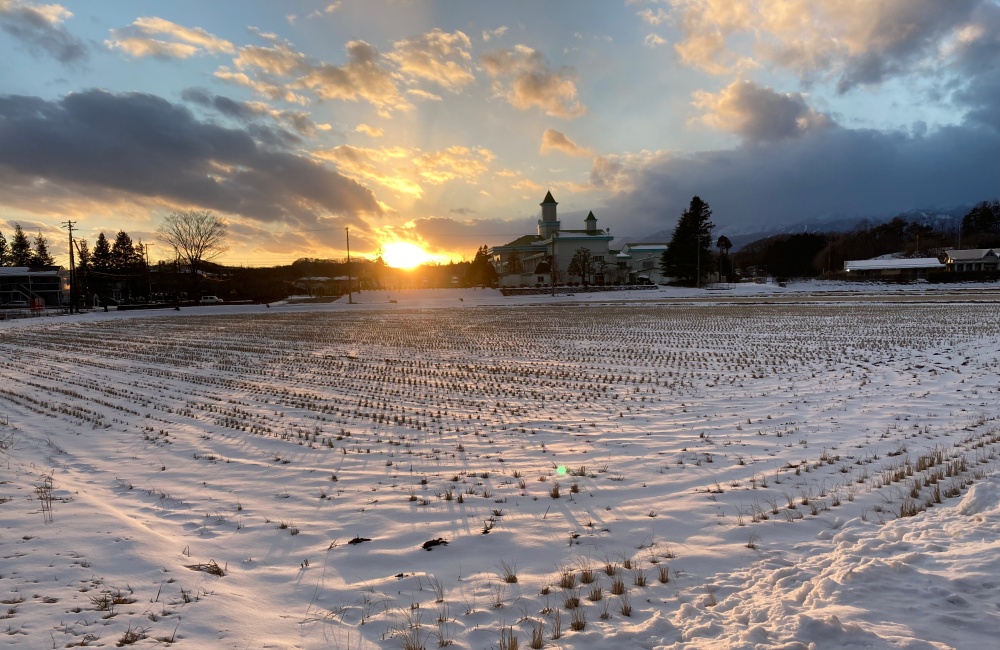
(754,447)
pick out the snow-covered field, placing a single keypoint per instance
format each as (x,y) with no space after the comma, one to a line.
(461,468)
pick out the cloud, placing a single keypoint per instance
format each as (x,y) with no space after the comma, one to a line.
(446,233)
(362,77)
(528,185)
(141,147)
(278,59)
(264,87)
(553,140)
(757,113)
(523,77)
(141,39)
(424,95)
(974,52)
(654,40)
(371,131)
(651,17)
(40,29)
(299,121)
(857,42)
(454,163)
(439,57)
(329,9)
(386,166)
(616,173)
(494,33)
(825,173)
(406,171)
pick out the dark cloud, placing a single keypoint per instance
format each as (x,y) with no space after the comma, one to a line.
(142,145)
(40,30)
(977,58)
(758,113)
(897,34)
(462,211)
(253,113)
(224,105)
(830,173)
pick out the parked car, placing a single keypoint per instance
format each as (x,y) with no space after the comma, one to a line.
(210,300)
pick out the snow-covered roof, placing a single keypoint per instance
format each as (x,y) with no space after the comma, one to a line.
(30,270)
(971,254)
(645,247)
(886,264)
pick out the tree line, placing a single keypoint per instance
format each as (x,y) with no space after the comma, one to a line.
(20,252)
(689,257)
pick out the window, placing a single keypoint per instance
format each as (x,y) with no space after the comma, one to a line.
(648,264)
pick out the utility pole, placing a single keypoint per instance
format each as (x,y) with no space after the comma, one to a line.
(350,290)
(149,274)
(72,271)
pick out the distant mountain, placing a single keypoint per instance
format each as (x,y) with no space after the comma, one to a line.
(740,235)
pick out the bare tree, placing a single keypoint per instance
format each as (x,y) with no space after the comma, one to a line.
(196,236)
(582,264)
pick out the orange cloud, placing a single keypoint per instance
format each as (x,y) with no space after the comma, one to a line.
(145,37)
(440,57)
(553,140)
(523,77)
(758,113)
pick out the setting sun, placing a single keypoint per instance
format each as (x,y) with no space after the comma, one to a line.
(404,255)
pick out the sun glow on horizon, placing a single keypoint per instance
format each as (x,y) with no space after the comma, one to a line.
(405,255)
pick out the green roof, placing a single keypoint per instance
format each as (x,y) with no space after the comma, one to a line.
(524,240)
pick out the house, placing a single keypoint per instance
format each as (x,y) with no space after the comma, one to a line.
(24,285)
(642,260)
(972,260)
(543,258)
(895,268)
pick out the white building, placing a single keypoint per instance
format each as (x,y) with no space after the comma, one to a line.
(973,259)
(899,268)
(643,260)
(544,258)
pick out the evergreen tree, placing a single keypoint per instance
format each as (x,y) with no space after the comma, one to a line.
(689,254)
(139,255)
(83,268)
(41,255)
(101,257)
(20,248)
(481,271)
(123,254)
(983,219)
(4,251)
(725,264)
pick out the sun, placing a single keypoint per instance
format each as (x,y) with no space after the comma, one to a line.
(404,255)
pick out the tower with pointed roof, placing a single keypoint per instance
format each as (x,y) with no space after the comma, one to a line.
(543,259)
(549,222)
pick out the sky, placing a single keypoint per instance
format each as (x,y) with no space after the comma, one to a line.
(443,123)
